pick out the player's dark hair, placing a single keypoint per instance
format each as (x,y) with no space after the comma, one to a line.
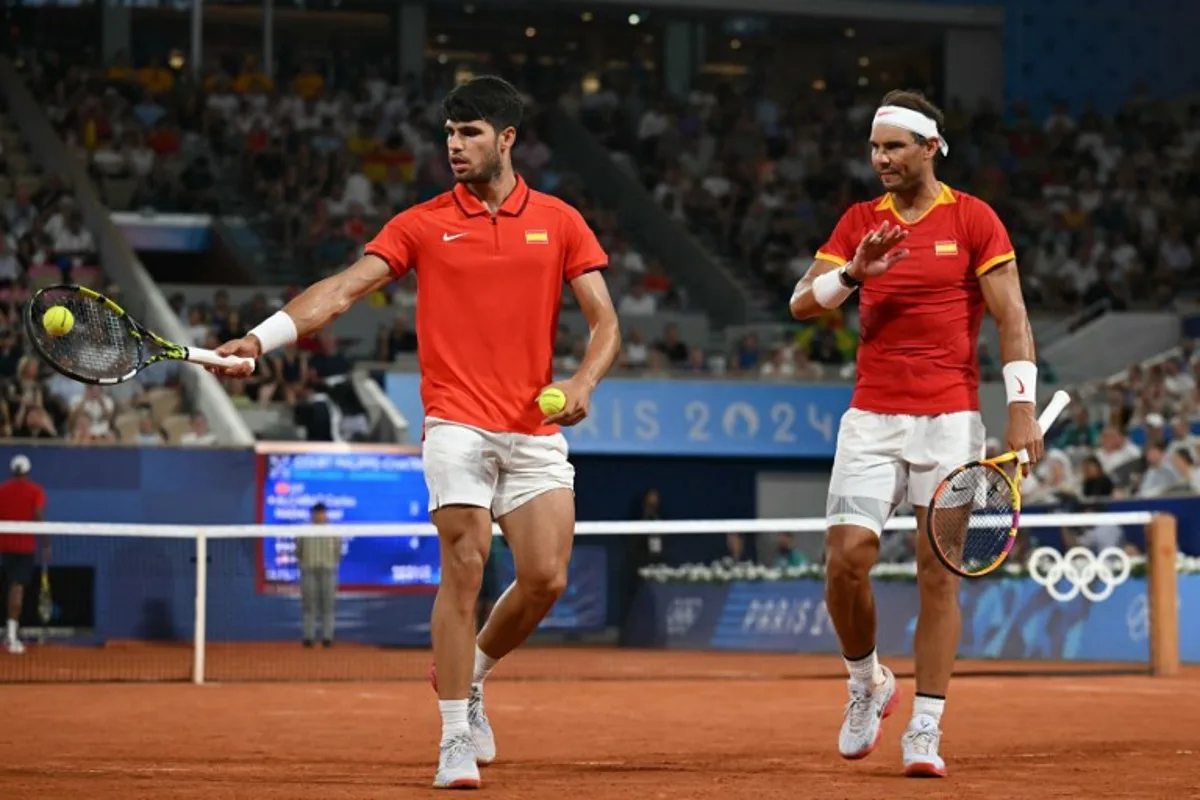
(915,101)
(488,98)
(317,507)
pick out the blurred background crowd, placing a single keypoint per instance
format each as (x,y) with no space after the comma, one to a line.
(317,152)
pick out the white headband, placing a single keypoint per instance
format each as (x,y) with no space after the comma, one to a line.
(913,121)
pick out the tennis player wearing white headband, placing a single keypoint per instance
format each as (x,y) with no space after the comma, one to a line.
(925,260)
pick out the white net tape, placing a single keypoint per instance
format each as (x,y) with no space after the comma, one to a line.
(638,528)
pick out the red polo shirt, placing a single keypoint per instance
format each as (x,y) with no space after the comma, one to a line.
(20,501)
(489,288)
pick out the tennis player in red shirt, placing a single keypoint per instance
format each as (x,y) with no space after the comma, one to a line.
(926,260)
(491,258)
(21,500)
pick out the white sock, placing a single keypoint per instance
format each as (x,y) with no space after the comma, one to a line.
(925,705)
(484,664)
(12,630)
(865,670)
(454,718)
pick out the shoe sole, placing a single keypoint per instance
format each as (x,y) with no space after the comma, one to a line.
(924,770)
(460,784)
(480,761)
(888,708)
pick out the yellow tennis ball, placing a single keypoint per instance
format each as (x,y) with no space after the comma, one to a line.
(552,401)
(58,321)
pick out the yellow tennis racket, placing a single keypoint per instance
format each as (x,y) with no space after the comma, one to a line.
(975,513)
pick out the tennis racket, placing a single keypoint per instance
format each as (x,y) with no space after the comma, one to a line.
(105,345)
(45,599)
(975,513)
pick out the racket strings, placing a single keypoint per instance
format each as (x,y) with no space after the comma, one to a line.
(100,345)
(973,518)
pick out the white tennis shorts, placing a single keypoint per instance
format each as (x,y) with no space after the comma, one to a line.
(499,471)
(882,459)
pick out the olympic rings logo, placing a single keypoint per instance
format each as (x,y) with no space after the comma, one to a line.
(1082,570)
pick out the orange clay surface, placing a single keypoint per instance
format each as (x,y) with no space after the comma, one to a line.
(579,724)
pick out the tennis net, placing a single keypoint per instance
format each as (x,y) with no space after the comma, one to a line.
(224,603)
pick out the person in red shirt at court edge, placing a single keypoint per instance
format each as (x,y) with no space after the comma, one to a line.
(928,260)
(491,257)
(21,500)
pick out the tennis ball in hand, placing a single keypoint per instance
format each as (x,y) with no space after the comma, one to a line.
(552,401)
(58,321)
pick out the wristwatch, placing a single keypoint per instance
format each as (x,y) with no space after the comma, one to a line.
(847,279)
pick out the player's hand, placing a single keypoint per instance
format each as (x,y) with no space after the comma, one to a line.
(247,347)
(878,251)
(579,402)
(1024,433)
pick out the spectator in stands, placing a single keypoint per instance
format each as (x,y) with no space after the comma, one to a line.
(400,340)
(1096,484)
(199,435)
(91,418)
(148,433)
(1184,463)
(1116,451)
(319,558)
(1160,476)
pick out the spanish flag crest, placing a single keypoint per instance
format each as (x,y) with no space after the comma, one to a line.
(537,237)
(946,248)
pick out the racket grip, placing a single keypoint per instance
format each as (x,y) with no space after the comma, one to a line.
(209,358)
(1049,414)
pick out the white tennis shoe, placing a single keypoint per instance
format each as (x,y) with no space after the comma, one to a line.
(865,713)
(15,647)
(456,764)
(481,729)
(920,747)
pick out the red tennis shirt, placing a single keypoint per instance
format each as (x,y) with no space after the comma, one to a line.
(489,290)
(20,501)
(919,323)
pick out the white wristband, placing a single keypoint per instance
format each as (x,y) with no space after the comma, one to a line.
(1020,381)
(277,330)
(828,289)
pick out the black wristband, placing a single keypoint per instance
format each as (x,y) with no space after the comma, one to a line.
(848,280)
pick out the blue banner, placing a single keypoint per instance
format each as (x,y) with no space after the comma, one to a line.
(689,418)
(1002,619)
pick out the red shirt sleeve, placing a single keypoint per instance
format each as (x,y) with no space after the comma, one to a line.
(844,240)
(987,238)
(582,251)
(397,242)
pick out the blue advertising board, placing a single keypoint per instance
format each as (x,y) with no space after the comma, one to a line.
(689,418)
(1002,619)
(355,488)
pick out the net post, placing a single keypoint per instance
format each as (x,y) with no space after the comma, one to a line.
(1163,595)
(198,629)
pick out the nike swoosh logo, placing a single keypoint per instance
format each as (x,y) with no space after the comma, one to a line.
(450,237)
(1020,386)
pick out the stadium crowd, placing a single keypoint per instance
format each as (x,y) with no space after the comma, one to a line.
(1093,205)
(1096,205)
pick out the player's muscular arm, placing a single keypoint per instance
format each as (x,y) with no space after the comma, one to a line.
(326,300)
(310,311)
(604,344)
(1002,292)
(803,304)
(1001,287)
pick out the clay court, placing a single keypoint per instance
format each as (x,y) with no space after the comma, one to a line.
(639,724)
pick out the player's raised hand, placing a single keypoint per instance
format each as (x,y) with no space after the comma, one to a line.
(878,251)
(247,346)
